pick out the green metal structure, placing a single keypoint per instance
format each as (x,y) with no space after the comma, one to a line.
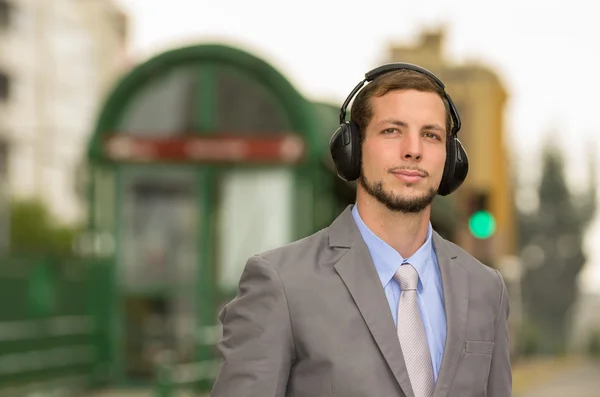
(201,157)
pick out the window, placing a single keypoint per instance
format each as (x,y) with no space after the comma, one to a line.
(5,14)
(4,153)
(4,86)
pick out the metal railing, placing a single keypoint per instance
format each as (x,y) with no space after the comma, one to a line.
(172,377)
(48,333)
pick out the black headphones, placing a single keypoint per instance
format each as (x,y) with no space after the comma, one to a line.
(345,142)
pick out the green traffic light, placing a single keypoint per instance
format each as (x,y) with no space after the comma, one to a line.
(482,224)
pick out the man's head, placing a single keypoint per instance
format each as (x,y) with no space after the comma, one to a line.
(404,122)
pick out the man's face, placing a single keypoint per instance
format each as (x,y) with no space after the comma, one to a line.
(404,150)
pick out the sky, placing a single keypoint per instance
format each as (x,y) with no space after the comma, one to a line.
(546,54)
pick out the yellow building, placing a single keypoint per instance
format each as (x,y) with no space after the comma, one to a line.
(480,99)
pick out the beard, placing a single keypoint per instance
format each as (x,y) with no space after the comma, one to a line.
(394,202)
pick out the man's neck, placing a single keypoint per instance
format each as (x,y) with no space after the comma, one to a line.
(406,233)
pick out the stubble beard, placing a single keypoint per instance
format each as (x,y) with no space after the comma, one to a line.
(394,202)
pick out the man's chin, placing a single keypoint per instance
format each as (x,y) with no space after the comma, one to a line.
(407,202)
(411,192)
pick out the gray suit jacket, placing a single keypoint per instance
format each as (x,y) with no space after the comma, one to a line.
(311,320)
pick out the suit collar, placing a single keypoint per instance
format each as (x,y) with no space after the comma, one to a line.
(358,273)
(343,232)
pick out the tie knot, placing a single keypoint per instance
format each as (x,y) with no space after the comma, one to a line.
(407,277)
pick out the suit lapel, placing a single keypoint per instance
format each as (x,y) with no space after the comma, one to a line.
(360,277)
(456,300)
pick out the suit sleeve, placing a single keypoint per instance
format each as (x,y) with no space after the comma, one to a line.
(257,345)
(500,378)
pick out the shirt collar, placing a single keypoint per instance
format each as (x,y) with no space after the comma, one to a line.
(387,260)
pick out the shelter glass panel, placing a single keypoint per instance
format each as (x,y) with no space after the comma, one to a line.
(255,214)
(244,106)
(160,230)
(164,106)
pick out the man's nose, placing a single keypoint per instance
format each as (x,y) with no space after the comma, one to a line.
(412,147)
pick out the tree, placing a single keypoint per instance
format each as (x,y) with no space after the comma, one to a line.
(33,232)
(551,243)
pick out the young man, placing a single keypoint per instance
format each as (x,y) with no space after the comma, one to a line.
(377,304)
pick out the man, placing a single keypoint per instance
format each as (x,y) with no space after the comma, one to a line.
(377,304)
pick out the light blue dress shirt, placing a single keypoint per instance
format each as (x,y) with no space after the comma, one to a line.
(429,290)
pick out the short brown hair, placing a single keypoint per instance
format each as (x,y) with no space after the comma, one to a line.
(362,111)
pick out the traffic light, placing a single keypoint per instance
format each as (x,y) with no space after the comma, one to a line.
(482,223)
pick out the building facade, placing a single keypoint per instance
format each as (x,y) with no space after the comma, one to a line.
(57,60)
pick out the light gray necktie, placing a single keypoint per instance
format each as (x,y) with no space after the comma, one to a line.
(411,333)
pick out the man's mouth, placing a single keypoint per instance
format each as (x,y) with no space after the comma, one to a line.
(409,176)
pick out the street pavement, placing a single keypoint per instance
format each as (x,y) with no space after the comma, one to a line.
(577,381)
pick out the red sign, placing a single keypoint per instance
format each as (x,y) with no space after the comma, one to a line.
(288,148)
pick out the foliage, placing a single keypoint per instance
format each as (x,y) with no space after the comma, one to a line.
(551,243)
(34,232)
(594,344)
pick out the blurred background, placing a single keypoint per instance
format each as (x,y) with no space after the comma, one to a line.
(148,148)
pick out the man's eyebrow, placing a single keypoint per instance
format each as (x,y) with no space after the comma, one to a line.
(434,127)
(400,123)
(397,122)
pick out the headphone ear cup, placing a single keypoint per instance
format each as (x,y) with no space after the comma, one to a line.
(456,167)
(356,151)
(344,146)
(461,166)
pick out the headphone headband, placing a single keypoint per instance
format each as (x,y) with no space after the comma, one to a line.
(390,67)
(345,143)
